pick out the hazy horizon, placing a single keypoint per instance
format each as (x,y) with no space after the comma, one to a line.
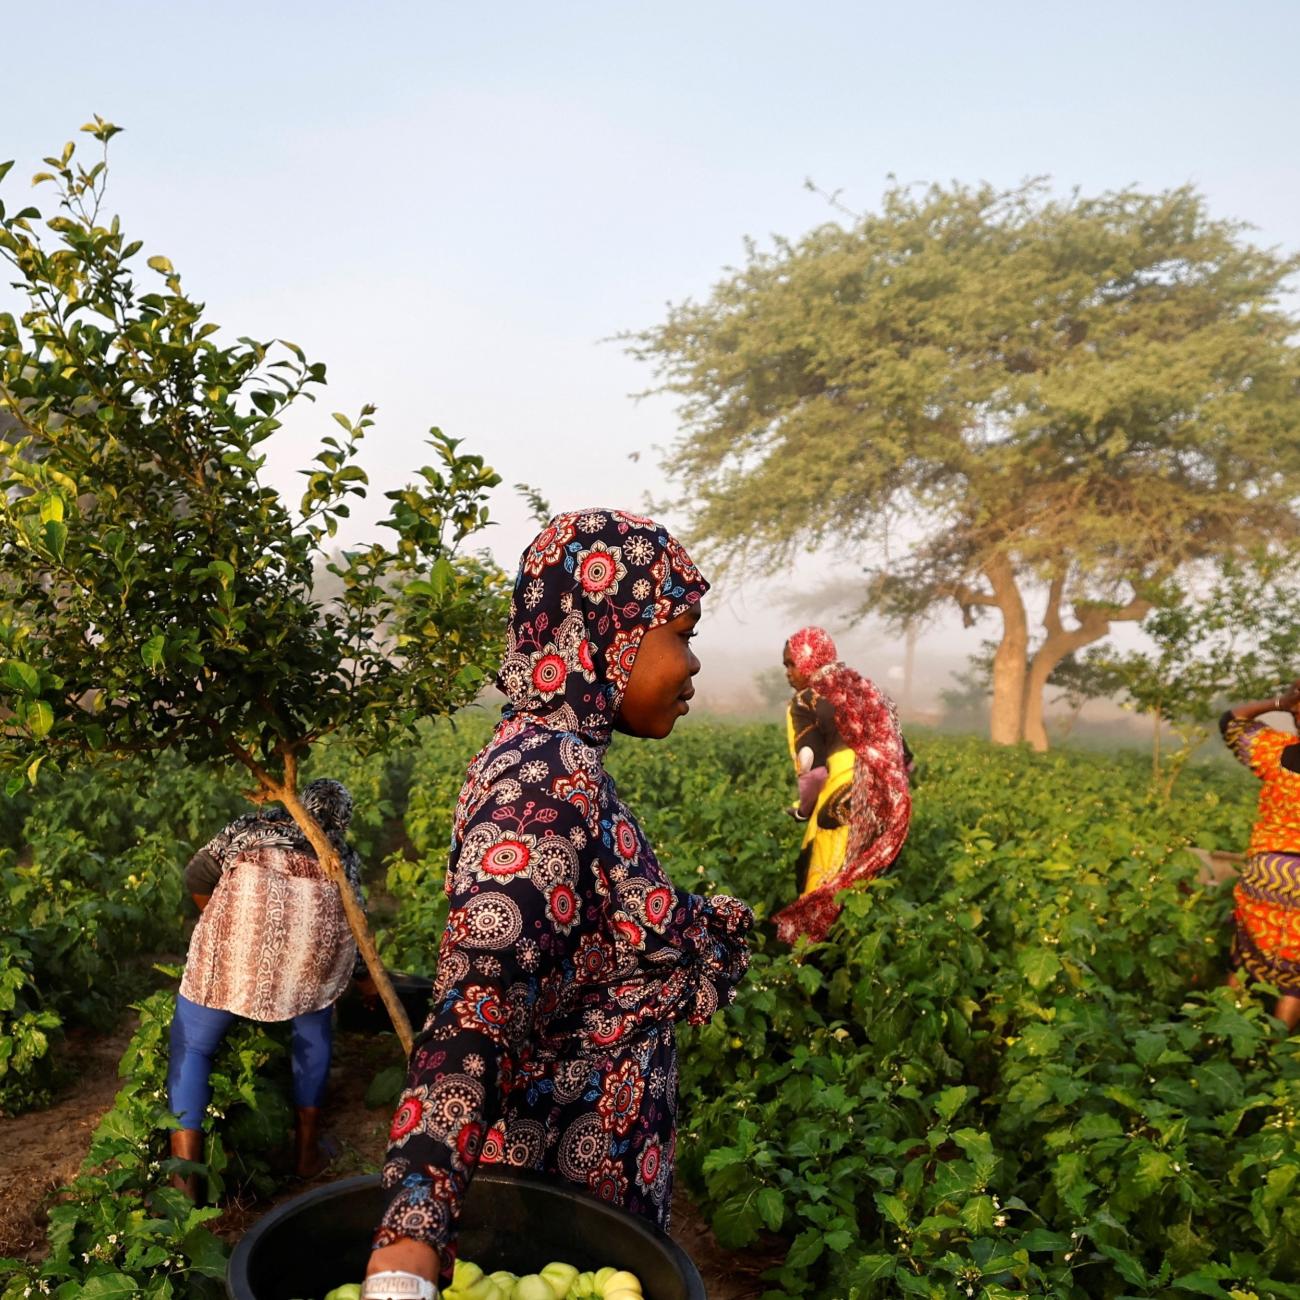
(453,208)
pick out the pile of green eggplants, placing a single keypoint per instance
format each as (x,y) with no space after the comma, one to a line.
(556,1281)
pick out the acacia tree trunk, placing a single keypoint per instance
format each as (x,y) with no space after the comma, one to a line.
(1006,725)
(286,793)
(1093,624)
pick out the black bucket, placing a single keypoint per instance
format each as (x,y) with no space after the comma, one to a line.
(356,1015)
(510,1220)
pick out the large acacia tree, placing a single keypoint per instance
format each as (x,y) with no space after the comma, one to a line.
(156,594)
(1053,403)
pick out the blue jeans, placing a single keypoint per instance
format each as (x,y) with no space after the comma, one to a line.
(197,1033)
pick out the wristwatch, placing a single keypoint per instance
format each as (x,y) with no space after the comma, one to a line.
(397,1285)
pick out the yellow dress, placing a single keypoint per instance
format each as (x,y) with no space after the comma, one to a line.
(824,847)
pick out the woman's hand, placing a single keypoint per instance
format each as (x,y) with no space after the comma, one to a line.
(405,1256)
(1290,699)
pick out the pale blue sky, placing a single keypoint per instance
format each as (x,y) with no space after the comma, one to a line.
(452,205)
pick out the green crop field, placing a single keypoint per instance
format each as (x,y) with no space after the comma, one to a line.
(1013,1070)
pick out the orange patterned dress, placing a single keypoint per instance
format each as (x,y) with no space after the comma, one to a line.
(1268,889)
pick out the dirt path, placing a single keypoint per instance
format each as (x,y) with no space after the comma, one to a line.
(41,1151)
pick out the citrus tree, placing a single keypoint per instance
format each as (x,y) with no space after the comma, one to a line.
(155,593)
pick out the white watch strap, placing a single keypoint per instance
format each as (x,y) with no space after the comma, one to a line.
(396,1285)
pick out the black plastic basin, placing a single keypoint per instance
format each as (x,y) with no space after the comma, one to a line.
(355,1015)
(513,1220)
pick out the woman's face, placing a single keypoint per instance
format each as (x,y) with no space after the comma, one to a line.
(792,674)
(660,685)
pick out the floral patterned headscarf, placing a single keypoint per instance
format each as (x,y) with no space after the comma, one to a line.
(591,584)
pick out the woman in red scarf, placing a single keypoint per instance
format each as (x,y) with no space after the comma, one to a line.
(861,815)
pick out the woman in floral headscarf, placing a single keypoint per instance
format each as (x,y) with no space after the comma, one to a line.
(568,955)
(852,764)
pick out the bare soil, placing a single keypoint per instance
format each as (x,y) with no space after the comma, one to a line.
(42,1150)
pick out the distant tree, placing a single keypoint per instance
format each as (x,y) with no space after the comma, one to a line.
(1069,399)
(155,593)
(772,686)
(1079,678)
(966,702)
(1236,638)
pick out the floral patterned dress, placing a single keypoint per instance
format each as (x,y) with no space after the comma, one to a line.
(568,956)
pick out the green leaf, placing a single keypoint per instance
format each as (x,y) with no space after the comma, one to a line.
(771,1208)
(1042,1240)
(161,265)
(110,1286)
(206,1253)
(40,718)
(56,538)
(386,1087)
(978,1214)
(1204,1280)
(1095,1126)
(893,1209)
(151,653)
(1125,1265)
(736,1222)
(951,1100)
(873,1268)
(1039,966)
(805,1250)
(22,677)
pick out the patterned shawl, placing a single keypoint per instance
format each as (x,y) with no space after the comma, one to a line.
(881,797)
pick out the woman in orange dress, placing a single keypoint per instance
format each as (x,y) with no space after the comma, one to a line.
(1267,943)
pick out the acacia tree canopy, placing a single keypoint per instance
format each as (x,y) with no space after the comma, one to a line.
(1063,398)
(155,593)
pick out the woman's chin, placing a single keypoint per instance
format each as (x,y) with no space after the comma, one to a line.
(656,728)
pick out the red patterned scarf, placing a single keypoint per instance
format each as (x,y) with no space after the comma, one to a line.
(881,798)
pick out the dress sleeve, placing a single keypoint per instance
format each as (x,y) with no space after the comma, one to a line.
(518,886)
(806,729)
(684,954)
(1257,746)
(202,873)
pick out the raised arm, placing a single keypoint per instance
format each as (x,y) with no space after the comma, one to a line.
(1257,746)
